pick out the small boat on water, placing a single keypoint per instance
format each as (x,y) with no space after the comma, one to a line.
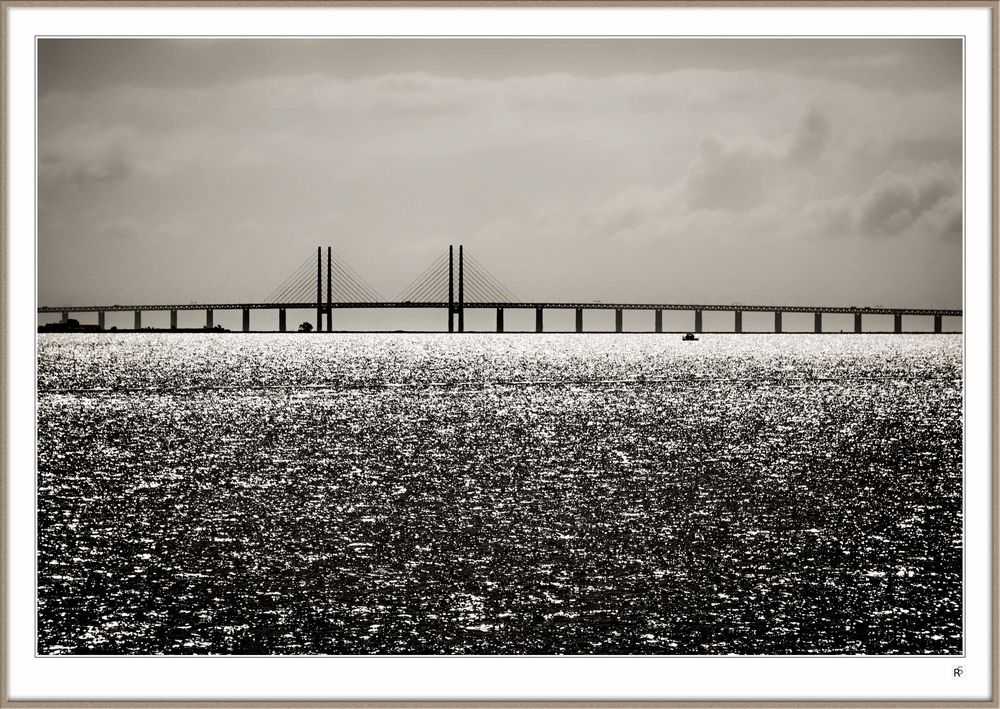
(689,337)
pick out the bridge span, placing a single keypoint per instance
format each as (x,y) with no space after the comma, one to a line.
(658,309)
(429,292)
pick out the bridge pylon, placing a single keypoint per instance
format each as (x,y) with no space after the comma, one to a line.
(473,286)
(304,288)
(451,288)
(329,289)
(319,289)
(456,307)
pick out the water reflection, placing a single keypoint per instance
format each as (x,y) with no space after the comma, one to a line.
(619,494)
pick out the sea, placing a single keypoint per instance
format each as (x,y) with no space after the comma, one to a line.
(485,494)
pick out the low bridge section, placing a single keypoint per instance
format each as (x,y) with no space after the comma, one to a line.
(658,309)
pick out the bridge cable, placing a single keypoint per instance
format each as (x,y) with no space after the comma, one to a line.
(344,290)
(365,292)
(349,291)
(291,282)
(348,285)
(434,288)
(369,292)
(473,290)
(427,281)
(306,290)
(431,292)
(413,289)
(497,287)
(301,294)
(303,291)
(487,291)
(428,275)
(485,273)
(364,287)
(480,291)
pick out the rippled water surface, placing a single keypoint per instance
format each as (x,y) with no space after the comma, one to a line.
(499,494)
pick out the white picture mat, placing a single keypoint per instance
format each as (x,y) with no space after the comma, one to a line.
(580,678)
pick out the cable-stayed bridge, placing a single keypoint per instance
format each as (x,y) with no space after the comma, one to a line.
(455,282)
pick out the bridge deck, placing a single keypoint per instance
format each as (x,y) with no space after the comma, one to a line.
(867,310)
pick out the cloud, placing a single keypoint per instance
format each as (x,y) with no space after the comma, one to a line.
(812,134)
(731,183)
(744,174)
(828,218)
(870,61)
(557,165)
(728,177)
(896,201)
(317,118)
(924,201)
(89,154)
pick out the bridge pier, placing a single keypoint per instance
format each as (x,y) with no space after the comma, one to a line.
(897,323)
(579,319)
(246,319)
(499,319)
(538,320)
(937,324)
(282,320)
(857,323)
(100,319)
(697,321)
(65,316)
(209,318)
(658,321)
(777,321)
(738,321)
(818,323)
(173,319)
(138,320)
(618,319)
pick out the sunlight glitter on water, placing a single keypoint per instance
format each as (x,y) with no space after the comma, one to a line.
(613,494)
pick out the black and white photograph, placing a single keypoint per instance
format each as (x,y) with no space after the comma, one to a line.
(500,346)
(452,352)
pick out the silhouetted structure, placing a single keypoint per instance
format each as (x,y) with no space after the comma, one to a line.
(69,325)
(475,287)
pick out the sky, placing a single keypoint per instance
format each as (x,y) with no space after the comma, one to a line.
(763,171)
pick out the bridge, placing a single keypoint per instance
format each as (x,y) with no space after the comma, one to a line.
(456,282)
